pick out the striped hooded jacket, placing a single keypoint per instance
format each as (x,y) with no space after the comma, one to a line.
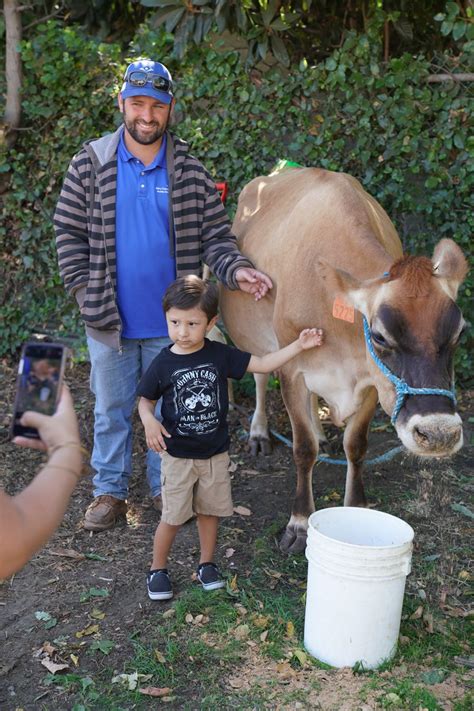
(84,222)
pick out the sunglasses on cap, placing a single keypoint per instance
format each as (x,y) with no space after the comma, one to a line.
(138,77)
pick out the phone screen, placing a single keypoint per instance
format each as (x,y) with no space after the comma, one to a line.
(40,374)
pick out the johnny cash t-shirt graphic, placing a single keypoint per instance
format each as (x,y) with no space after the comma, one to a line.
(197,400)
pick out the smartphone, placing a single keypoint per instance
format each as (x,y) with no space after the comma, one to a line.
(40,376)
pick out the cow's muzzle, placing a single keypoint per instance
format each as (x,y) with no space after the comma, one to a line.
(434,435)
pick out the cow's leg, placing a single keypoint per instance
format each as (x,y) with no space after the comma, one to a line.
(259,437)
(305,450)
(355,447)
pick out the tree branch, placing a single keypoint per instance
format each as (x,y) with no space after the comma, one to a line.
(438,78)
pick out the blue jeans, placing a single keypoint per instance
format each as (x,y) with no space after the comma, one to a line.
(114,380)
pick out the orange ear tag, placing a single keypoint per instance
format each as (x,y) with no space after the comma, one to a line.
(342,311)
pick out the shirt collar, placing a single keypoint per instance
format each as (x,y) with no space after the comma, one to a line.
(158,162)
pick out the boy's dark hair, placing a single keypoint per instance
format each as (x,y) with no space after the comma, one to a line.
(190,291)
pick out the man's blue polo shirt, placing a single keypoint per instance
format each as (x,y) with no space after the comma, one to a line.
(144,266)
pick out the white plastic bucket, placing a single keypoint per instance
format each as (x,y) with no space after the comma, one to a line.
(358,560)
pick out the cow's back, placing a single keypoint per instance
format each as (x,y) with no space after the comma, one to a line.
(313,210)
(284,223)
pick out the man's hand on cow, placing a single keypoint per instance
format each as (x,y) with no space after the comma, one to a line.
(253,282)
(310,338)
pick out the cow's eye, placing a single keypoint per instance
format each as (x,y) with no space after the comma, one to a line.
(378,339)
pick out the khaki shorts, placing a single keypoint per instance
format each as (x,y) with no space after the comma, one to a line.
(199,485)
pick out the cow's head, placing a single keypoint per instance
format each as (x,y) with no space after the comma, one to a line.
(414,326)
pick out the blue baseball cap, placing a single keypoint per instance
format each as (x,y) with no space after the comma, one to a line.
(144,77)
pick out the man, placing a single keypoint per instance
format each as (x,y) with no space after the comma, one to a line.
(136,210)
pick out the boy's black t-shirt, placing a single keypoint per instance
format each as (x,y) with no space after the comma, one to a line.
(195,400)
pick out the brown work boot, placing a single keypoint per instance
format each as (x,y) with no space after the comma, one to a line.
(104,512)
(158,503)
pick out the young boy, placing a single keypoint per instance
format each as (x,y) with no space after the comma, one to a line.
(193,439)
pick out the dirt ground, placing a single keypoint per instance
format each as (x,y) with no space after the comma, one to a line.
(433,498)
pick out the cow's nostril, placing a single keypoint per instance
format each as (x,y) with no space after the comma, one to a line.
(437,439)
(421,437)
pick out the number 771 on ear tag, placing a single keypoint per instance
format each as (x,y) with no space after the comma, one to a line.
(342,311)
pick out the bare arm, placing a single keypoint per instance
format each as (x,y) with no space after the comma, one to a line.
(154,430)
(28,519)
(309,338)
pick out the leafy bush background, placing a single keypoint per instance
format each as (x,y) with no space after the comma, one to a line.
(405,139)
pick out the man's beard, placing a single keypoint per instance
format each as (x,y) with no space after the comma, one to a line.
(145,139)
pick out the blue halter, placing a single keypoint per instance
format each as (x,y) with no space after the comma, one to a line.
(401,387)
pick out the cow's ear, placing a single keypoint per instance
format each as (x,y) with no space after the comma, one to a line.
(450,266)
(343,285)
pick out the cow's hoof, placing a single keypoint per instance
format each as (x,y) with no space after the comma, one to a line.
(293,540)
(260,445)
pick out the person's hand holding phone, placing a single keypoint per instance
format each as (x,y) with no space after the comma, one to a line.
(54,430)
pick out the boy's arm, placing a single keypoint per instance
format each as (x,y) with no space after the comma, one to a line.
(154,430)
(309,338)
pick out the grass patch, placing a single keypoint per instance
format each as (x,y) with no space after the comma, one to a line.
(203,645)
(407,695)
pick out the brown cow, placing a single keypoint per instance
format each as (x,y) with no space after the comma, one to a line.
(319,235)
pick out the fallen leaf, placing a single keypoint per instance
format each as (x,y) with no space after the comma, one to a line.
(95,556)
(301,656)
(264,636)
(67,553)
(130,680)
(417,614)
(189,618)
(241,632)
(91,629)
(102,645)
(290,629)
(154,691)
(93,592)
(285,670)
(455,611)
(465,661)
(428,620)
(160,657)
(42,615)
(260,620)
(236,683)
(464,575)
(233,583)
(75,659)
(460,508)
(436,676)
(229,552)
(97,614)
(242,510)
(45,617)
(169,613)
(52,667)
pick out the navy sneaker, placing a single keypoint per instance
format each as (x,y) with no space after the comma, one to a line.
(209,576)
(159,586)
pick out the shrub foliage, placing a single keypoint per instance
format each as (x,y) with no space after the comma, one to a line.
(404,138)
